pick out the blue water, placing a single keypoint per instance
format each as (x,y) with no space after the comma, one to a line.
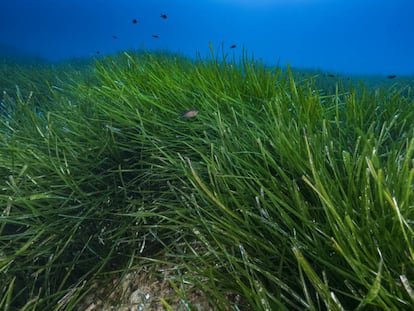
(345,36)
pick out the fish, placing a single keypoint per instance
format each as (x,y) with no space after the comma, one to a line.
(163,16)
(134,21)
(391,76)
(233,46)
(155,36)
(114,37)
(331,75)
(98,52)
(189,114)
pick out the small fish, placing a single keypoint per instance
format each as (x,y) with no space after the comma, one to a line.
(114,37)
(155,36)
(233,46)
(391,76)
(98,52)
(331,75)
(189,114)
(134,21)
(163,16)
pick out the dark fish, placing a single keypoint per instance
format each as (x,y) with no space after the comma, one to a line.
(331,75)
(98,52)
(189,114)
(233,46)
(163,16)
(155,36)
(114,37)
(391,76)
(134,21)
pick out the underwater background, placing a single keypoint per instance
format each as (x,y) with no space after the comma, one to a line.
(345,36)
(206,155)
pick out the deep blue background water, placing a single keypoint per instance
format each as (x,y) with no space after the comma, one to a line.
(346,36)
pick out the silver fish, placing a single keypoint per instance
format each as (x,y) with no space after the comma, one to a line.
(189,114)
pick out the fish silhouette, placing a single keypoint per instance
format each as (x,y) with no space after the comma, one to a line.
(134,21)
(233,46)
(155,36)
(391,76)
(163,16)
(189,114)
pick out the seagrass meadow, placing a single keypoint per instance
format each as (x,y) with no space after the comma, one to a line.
(286,191)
